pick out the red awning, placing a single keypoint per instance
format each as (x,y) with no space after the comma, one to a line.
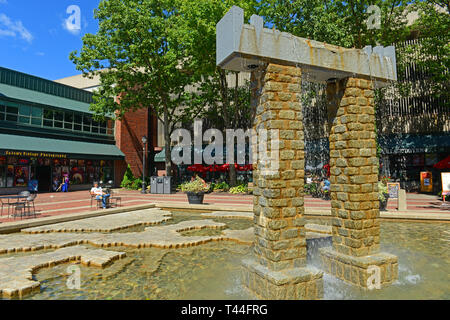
(444,164)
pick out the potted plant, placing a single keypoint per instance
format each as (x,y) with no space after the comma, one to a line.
(383,195)
(195,190)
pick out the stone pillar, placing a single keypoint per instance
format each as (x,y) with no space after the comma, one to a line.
(355,255)
(279,270)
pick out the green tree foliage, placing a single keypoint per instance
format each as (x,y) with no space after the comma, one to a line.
(228,106)
(128,178)
(140,53)
(342,23)
(433,52)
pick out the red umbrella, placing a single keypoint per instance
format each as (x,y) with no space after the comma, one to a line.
(444,164)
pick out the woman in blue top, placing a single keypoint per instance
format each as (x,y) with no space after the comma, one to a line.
(65,187)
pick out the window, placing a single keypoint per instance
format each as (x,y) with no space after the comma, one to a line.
(12,113)
(2,177)
(2,112)
(78,122)
(87,120)
(48,118)
(68,120)
(59,116)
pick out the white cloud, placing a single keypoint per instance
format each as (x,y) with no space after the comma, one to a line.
(11,28)
(3,2)
(41,54)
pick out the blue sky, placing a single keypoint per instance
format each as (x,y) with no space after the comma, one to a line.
(34,38)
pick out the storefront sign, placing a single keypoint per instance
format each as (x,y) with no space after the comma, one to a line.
(393,189)
(34,154)
(426,181)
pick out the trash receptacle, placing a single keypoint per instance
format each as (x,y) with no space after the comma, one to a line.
(153,185)
(167,185)
(160,185)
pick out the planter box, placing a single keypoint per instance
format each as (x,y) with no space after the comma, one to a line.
(195,198)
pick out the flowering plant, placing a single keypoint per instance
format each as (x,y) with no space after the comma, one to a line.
(198,185)
(385,180)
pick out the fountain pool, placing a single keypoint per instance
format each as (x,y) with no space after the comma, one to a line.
(213,270)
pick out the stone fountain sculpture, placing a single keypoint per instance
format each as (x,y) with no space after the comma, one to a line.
(278,61)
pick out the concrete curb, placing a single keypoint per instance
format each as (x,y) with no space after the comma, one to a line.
(395,215)
(203,207)
(16,226)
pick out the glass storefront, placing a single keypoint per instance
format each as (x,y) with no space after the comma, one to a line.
(16,171)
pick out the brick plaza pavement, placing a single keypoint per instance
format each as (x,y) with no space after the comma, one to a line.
(54,204)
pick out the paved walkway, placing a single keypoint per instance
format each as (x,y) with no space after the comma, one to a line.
(56,204)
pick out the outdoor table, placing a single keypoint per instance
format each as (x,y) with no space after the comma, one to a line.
(15,198)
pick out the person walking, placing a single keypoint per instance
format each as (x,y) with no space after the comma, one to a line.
(65,186)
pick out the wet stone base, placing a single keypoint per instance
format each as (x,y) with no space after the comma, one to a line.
(361,271)
(291,284)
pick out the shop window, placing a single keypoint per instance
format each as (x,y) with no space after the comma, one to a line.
(68,117)
(11,117)
(106,174)
(21,176)
(48,123)
(59,116)
(68,125)
(87,120)
(12,110)
(77,175)
(36,112)
(48,118)
(25,111)
(2,177)
(24,120)
(2,112)
(48,114)
(36,121)
(10,176)
(78,122)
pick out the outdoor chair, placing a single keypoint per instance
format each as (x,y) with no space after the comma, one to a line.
(97,201)
(19,201)
(114,200)
(19,207)
(29,204)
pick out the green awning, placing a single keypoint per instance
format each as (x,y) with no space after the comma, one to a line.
(412,143)
(42,98)
(30,146)
(161,157)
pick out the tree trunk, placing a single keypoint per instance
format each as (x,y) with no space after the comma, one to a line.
(167,143)
(151,147)
(233,176)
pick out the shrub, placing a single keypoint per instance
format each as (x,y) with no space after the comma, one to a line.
(196,186)
(221,186)
(382,190)
(137,184)
(239,189)
(128,178)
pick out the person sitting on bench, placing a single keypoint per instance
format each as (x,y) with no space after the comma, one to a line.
(99,194)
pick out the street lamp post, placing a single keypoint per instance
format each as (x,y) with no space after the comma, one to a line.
(144,142)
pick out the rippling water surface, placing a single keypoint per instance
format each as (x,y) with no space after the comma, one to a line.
(213,270)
